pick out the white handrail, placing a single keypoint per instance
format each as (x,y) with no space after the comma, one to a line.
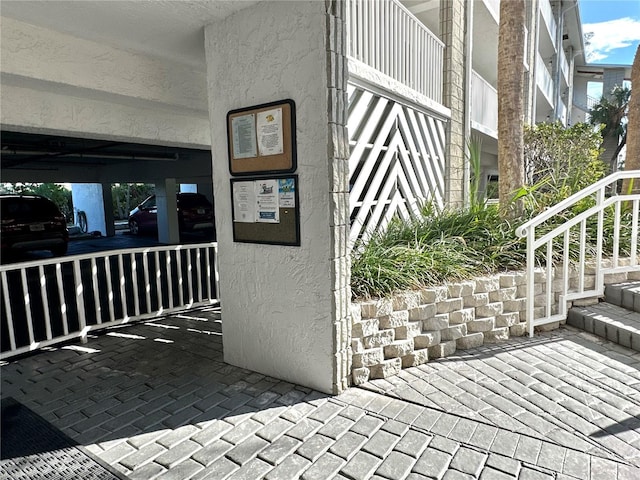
(521,231)
(563,285)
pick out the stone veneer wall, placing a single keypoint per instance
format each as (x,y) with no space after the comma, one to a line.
(410,328)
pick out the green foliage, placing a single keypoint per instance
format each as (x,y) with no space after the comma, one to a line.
(53,191)
(610,111)
(127,196)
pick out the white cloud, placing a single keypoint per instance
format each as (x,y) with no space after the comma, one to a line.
(610,35)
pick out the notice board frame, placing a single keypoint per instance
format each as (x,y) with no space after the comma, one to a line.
(286,232)
(285,162)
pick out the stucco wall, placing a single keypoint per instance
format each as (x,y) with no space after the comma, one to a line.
(279,302)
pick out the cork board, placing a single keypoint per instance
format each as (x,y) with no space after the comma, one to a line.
(266,210)
(262,139)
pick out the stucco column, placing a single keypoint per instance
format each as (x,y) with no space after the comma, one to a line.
(167,211)
(92,199)
(284,308)
(107,208)
(452,28)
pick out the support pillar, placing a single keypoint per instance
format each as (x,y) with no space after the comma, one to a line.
(286,309)
(167,211)
(90,199)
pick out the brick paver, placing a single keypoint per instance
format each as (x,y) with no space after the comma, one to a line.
(563,406)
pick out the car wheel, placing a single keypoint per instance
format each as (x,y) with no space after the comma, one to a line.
(59,251)
(134,228)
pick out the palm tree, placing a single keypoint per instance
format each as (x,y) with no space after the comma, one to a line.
(610,112)
(511,103)
(632,161)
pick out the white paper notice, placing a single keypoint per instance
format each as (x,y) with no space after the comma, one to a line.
(267,202)
(244,202)
(243,130)
(287,190)
(269,126)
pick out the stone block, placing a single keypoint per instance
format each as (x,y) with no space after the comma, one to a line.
(615,277)
(496,335)
(548,327)
(518,330)
(514,305)
(512,279)
(507,319)
(422,312)
(472,340)
(633,275)
(462,316)
(503,294)
(434,294)
(437,322)
(585,302)
(449,305)
(481,324)
(540,275)
(589,282)
(489,310)
(386,369)
(380,339)
(377,308)
(443,349)
(418,357)
(541,300)
(521,290)
(487,284)
(398,349)
(406,300)
(371,356)
(360,375)
(461,289)
(394,319)
(454,332)
(356,312)
(365,328)
(426,339)
(357,346)
(475,300)
(538,312)
(409,330)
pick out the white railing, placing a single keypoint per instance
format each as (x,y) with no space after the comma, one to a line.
(549,20)
(564,65)
(567,277)
(484,103)
(494,8)
(50,301)
(562,112)
(386,36)
(543,79)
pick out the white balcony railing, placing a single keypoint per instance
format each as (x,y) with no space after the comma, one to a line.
(564,65)
(544,80)
(549,20)
(562,112)
(386,36)
(484,103)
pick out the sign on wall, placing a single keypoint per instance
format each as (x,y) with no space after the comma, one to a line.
(262,139)
(266,210)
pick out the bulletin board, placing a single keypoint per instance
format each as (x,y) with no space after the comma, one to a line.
(262,139)
(266,209)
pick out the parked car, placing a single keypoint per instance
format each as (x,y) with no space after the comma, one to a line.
(195,214)
(32,222)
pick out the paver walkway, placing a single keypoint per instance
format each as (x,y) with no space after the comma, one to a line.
(155,400)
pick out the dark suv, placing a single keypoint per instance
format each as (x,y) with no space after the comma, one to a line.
(195,214)
(32,222)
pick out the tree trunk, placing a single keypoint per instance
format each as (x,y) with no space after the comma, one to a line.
(511,104)
(632,161)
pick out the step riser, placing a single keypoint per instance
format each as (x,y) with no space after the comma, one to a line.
(613,333)
(625,296)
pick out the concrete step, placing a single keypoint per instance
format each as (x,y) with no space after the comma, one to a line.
(609,321)
(625,295)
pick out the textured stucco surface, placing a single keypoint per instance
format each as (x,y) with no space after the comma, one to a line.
(279,302)
(58,83)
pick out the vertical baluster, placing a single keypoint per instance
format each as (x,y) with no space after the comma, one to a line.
(565,271)
(217,271)
(583,239)
(80,307)
(110,292)
(208,273)
(63,303)
(134,281)
(45,302)
(634,233)
(96,296)
(189,279)
(27,304)
(199,272)
(531,257)
(123,291)
(169,279)
(147,283)
(616,234)
(180,276)
(5,294)
(599,241)
(159,281)
(549,286)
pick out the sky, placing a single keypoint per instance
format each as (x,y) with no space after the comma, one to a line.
(615,29)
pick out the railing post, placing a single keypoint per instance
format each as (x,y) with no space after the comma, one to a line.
(599,277)
(531,258)
(82,315)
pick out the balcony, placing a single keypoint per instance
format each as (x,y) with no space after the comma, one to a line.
(549,20)
(484,106)
(384,35)
(544,80)
(564,66)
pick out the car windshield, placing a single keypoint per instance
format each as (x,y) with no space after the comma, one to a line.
(27,208)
